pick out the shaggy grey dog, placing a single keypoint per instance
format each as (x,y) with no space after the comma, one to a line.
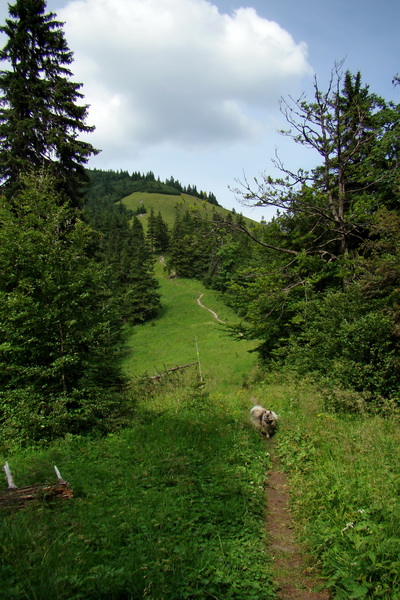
(265,420)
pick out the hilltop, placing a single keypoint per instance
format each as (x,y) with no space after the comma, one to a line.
(168,205)
(115,185)
(142,192)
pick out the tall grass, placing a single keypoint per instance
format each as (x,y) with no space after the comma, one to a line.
(344,473)
(170,507)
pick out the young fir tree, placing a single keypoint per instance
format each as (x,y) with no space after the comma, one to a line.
(151,230)
(40,120)
(58,331)
(162,234)
(141,299)
(180,259)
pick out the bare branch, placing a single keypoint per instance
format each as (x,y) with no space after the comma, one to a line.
(244,229)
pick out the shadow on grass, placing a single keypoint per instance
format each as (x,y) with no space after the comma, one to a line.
(170,508)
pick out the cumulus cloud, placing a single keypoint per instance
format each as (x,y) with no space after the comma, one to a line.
(178,71)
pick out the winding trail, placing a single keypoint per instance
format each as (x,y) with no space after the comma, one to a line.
(296,579)
(214,314)
(295,575)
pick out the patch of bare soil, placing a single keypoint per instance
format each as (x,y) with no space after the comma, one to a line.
(296,578)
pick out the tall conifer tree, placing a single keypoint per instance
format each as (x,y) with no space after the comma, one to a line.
(162,234)
(40,120)
(141,299)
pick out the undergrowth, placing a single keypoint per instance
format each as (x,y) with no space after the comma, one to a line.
(171,507)
(345,486)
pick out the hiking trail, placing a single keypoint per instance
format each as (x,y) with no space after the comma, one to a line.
(214,314)
(297,580)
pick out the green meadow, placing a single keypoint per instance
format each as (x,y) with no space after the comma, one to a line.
(171,505)
(184,333)
(168,205)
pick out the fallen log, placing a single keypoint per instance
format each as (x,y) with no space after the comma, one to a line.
(173,369)
(19,496)
(39,492)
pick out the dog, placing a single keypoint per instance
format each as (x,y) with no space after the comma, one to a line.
(266,421)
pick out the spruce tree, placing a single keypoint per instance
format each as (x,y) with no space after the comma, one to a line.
(162,234)
(59,334)
(40,118)
(151,230)
(141,299)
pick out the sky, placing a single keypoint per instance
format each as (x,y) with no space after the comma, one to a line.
(191,88)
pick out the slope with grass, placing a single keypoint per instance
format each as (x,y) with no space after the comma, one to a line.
(169,507)
(168,205)
(184,333)
(173,504)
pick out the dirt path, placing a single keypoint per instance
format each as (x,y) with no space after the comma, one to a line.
(295,577)
(214,314)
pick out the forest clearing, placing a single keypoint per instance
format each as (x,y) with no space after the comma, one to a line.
(140,322)
(173,505)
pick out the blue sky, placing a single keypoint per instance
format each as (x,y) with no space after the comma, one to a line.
(191,88)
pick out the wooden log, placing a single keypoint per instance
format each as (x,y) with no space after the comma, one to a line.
(40,492)
(15,496)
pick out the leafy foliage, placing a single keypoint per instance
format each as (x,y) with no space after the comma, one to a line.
(321,290)
(344,494)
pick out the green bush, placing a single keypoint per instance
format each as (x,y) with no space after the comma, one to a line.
(349,340)
(28,417)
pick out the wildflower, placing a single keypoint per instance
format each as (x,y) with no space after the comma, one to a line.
(348,526)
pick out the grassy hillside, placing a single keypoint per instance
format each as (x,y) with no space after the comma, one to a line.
(171,339)
(173,505)
(169,507)
(167,204)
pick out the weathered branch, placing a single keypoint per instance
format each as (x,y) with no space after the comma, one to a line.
(266,197)
(244,229)
(173,369)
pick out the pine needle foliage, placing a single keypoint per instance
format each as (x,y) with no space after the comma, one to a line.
(40,115)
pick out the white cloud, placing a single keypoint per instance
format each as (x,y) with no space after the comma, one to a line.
(178,71)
